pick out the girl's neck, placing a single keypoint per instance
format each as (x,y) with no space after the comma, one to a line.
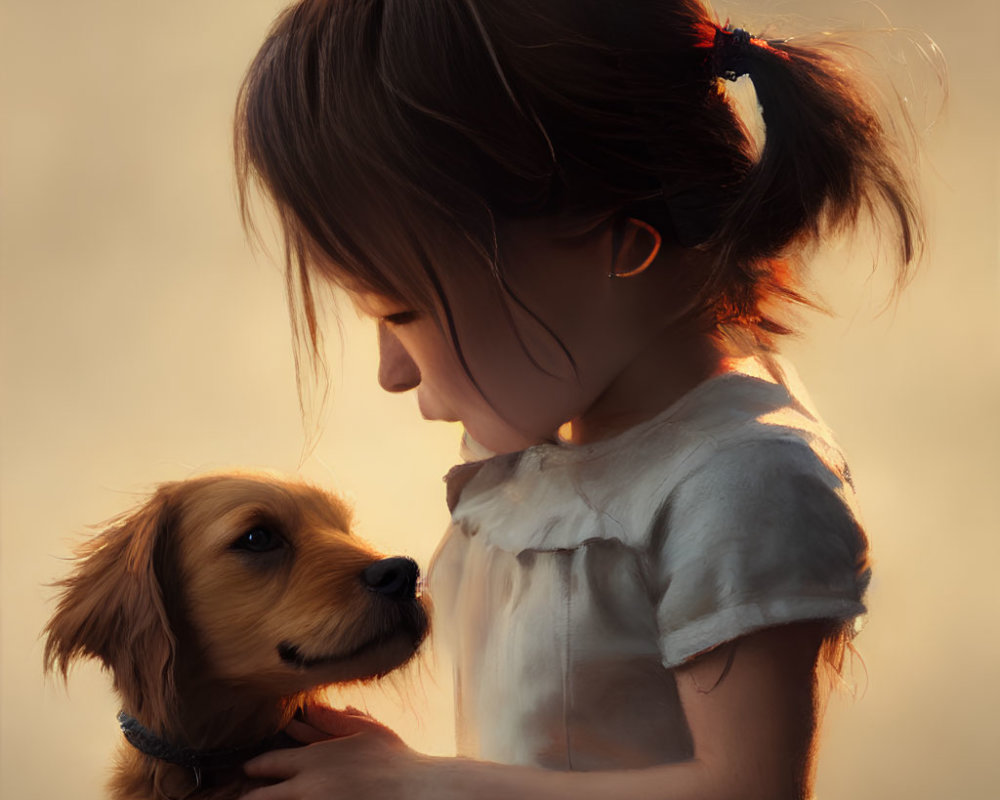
(666,369)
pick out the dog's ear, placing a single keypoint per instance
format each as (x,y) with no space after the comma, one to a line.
(112,608)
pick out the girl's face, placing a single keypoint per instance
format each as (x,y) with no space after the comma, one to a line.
(414,353)
(528,386)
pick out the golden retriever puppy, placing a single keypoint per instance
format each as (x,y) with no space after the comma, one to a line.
(220,607)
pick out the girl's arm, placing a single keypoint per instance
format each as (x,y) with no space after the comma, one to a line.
(752,707)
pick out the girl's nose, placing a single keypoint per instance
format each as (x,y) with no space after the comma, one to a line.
(397,372)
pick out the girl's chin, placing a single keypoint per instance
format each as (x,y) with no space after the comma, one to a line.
(494,436)
(496,442)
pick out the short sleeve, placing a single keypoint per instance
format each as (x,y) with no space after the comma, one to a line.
(763,533)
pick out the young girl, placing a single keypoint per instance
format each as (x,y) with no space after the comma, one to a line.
(571,244)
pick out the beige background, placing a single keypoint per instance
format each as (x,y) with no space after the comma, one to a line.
(142,341)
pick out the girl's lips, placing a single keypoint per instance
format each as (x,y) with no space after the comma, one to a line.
(428,411)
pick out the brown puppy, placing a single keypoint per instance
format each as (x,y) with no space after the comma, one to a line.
(220,607)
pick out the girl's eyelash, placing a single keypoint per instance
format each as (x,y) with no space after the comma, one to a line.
(400,317)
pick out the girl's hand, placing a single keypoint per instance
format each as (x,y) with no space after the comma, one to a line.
(347,755)
(752,707)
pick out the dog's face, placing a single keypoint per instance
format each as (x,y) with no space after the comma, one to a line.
(278,593)
(244,581)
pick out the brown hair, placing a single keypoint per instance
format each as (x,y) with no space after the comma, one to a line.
(391,137)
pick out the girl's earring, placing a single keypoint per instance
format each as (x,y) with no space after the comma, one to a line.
(631,235)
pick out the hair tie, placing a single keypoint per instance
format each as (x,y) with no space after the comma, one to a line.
(731,53)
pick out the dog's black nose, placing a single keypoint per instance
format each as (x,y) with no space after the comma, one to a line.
(393,577)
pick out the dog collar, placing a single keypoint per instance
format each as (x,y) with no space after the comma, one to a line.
(200,761)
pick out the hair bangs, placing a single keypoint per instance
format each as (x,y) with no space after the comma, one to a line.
(379,197)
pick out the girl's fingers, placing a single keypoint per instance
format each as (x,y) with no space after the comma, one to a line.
(305,732)
(276,764)
(357,712)
(338,723)
(280,791)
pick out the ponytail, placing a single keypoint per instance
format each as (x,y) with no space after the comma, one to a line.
(825,159)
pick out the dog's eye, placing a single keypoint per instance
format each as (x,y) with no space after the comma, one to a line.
(258,540)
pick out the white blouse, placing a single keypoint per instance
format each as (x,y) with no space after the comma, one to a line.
(573,578)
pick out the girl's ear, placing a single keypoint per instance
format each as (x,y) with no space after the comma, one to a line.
(112,608)
(634,245)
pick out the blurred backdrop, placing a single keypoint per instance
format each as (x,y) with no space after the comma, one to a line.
(143,341)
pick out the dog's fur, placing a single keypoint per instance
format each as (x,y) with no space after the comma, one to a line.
(214,642)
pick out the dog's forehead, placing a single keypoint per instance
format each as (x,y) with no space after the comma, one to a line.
(285,500)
